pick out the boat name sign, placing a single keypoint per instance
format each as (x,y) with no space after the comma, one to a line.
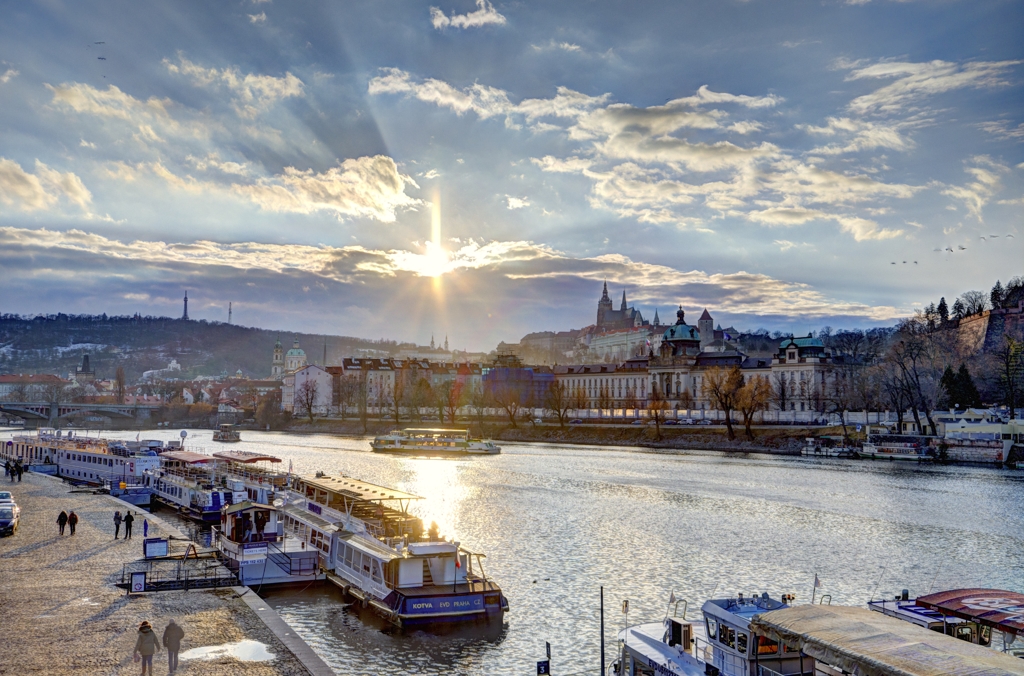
(444,604)
(315,508)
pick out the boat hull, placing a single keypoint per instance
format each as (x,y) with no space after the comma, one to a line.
(426,450)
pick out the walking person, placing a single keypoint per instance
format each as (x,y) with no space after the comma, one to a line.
(62,520)
(172,641)
(72,521)
(117,524)
(145,528)
(128,520)
(20,468)
(147,645)
(7,468)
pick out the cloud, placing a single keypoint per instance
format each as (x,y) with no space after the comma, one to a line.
(1004,130)
(213,161)
(433,173)
(370,187)
(861,135)
(483,16)
(916,81)
(258,18)
(516,202)
(505,268)
(252,93)
(483,100)
(43,190)
(86,144)
(861,228)
(976,194)
(8,75)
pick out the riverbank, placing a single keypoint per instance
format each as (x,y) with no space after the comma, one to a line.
(776,440)
(62,613)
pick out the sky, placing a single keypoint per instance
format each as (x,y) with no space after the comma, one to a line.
(476,170)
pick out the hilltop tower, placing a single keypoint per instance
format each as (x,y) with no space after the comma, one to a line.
(229,312)
(185,315)
(277,366)
(706,327)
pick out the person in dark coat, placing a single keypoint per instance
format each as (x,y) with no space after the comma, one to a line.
(147,645)
(7,468)
(72,521)
(20,468)
(62,520)
(128,520)
(117,524)
(172,641)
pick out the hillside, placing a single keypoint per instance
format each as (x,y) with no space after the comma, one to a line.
(56,343)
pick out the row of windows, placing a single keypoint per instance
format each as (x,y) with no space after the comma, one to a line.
(355,560)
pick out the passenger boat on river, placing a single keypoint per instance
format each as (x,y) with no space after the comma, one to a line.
(85,461)
(227,433)
(251,540)
(188,481)
(376,551)
(433,441)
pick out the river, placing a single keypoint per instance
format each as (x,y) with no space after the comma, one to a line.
(557,522)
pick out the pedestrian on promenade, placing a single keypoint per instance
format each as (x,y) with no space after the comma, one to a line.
(62,520)
(20,468)
(146,645)
(72,521)
(172,641)
(7,468)
(145,528)
(128,520)
(117,524)
(14,471)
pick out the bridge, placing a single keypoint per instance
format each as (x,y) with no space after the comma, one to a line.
(52,412)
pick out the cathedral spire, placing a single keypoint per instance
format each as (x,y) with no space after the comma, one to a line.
(604,294)
(623,307)
(657,322)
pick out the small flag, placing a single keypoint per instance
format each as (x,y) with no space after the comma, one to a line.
(137,436)
(458,563)
(671,598)
(817,582)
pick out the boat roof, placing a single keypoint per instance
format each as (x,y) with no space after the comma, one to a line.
(244,456)
(996,608)
(909,610)
(308,517)
(744,608)
(371,547)
(861,641)
(435,430)
(355,488)
(646,640)
(187,456)
(247,504)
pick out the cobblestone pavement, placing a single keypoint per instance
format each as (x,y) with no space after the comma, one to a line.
(60,612)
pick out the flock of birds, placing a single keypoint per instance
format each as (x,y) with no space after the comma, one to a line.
(961,247)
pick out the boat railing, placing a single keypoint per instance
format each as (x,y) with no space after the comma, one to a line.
(703,651)
(765,671)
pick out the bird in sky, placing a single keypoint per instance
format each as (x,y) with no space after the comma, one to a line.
(99,43)
(939,250)
(961,247)
(949,249)
(1011,236)
(893,263)
(981,238)
(993,236)
(915,262)
(102,58)
(904,262)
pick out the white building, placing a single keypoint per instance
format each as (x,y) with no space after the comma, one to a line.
(293,390)
(605,385)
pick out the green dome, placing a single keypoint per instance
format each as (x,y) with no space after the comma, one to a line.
(295,352)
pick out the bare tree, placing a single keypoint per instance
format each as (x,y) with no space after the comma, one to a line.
(604,397)
(512,399)
(450,399)
(120,385)
(1010,360)
(558,400)
(656,407)
(480,402)
(579,398)
(56,393)
(912,356)
(249,398)
(753,397)
(306,398)
(721,388)
(18,392)
(780,390)
(974,302)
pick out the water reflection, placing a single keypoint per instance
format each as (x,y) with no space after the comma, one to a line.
(558,522)
(243,651)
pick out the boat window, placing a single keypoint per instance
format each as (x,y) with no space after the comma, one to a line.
(712,628)
(348,556)
(376,571)
(741,642)
(964,633)
(765,646)
(727,635)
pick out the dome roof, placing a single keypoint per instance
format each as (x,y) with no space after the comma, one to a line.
(295,352)
(681,332)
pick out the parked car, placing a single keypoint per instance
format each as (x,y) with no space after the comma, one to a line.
(6,498)
(671,422)
(575,421)
(637,422)
(10,515)
(537,421)
(704,422)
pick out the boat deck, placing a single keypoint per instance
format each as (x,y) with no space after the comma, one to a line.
(473,586)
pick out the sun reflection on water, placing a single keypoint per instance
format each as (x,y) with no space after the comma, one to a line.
(438,483)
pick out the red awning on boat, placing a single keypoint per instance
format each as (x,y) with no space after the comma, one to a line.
(187,456)
(245,456)
(996,608)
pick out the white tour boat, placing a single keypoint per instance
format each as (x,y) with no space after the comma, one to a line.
(252,542)
(227,433)
(188,481)
(433,441)
(827,447)
(255,470)
(376,551)
(88,461)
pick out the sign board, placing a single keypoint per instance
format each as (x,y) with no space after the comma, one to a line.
(543,667)
(547,649)
(153,547)
(254,552)
(138,583)
(430,605)
(315,508)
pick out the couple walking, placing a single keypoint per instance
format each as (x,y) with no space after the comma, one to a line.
(127,520)
(147,645)
(65,519)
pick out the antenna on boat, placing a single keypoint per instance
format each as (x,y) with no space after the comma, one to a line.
(872,596)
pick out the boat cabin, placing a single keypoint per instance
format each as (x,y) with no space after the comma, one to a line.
(733,649)
(261,481)
(251,537)
(359,505)
(250,521)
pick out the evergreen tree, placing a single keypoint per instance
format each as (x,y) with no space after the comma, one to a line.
(958,309)
(997,295)
(970,394)
(949,387)
(943,310)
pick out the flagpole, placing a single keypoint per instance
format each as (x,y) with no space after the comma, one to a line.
(814,587)
(602,631)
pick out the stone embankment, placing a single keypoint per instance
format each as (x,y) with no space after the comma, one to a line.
(61,613)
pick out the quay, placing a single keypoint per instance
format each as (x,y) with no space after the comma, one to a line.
(63,614)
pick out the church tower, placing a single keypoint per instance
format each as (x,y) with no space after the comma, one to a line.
(604,307)
(622,308)
(706,327)
(277,366)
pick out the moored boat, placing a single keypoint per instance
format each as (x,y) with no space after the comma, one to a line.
(376,551)
(227,433)
(433,441)
(187,481)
